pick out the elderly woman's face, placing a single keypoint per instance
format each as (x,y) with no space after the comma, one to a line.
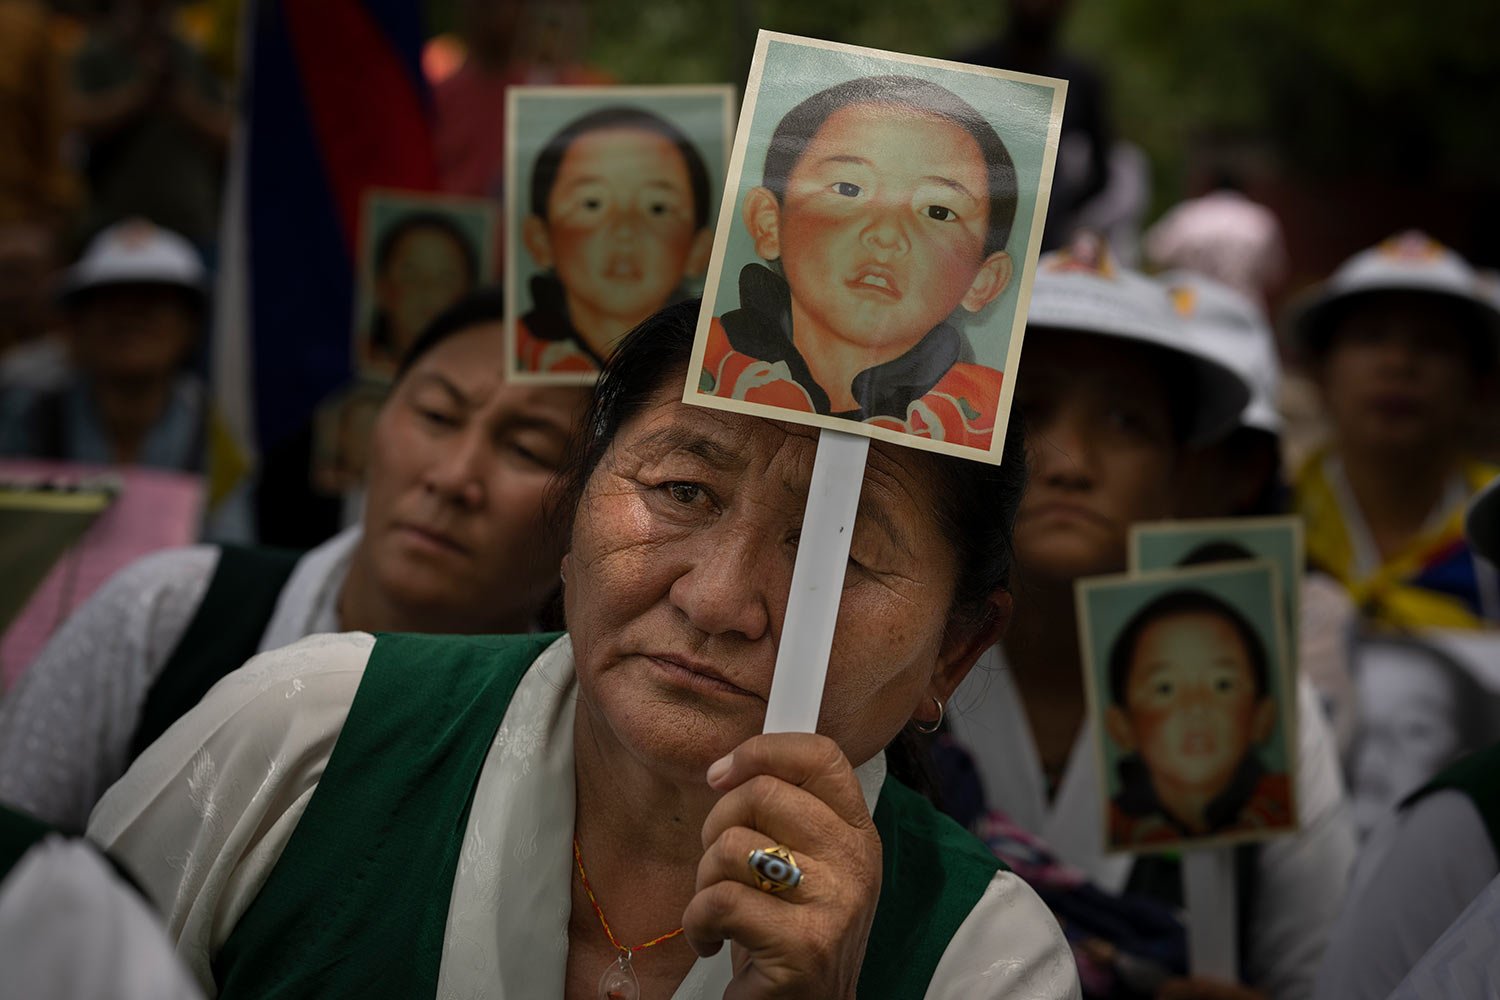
(677,587)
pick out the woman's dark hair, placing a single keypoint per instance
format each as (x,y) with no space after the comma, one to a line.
(483,305)
(798,126)
(1173,372)
(974,502)
(549,160)
(385,249)
(1170,605)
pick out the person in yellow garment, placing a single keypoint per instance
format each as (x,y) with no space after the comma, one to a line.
(1400,340)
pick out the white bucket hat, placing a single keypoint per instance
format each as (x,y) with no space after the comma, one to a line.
(135,252)
(1081,288)
(1235,330)
(1407,262)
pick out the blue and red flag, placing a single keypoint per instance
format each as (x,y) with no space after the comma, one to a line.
(333,102)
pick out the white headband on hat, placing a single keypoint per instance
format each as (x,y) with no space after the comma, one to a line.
(1233,329)
(1081,288)
(1407,262)
(136,252)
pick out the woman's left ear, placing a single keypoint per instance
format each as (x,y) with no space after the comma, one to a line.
(963,644)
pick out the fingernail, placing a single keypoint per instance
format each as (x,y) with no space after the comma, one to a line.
(719,768)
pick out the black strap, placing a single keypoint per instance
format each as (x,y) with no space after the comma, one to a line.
(224,633)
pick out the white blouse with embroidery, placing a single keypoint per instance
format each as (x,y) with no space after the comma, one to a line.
(203,816)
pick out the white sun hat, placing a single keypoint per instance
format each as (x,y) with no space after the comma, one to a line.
(1410,261)
(136,252)
(1081,288)
(1482,522)
(1235,330)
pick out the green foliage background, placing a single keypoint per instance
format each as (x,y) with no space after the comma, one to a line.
(1330,88)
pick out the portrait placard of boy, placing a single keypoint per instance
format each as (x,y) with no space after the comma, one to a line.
(873,262)
(418,254)
(1209,541)
(1188,702)
(612,195)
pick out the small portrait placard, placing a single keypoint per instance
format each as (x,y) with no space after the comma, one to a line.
(612,196)
(1164,544)
(1189,702)
(873,261)
(419,253)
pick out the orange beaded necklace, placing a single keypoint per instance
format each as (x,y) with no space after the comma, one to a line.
(618,981)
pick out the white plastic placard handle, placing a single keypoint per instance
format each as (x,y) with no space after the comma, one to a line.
(812,607)
(1209,892)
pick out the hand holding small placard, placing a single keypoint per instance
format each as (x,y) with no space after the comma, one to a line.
(870,272)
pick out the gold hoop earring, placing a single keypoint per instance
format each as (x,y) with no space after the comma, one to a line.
(928,728)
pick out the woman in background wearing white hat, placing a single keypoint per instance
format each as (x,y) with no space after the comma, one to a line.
(1114,391)
(1400,340)
(134,305)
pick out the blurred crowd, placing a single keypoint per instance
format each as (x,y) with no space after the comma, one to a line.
(1361,403)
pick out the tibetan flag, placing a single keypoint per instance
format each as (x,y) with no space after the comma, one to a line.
(333,101)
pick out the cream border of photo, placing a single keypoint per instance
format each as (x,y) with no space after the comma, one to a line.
(1027,268)
(513,96)
(364,264)
(1286,705)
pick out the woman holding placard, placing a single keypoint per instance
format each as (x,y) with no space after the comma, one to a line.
(452,540)
(595,815)
(1115,393)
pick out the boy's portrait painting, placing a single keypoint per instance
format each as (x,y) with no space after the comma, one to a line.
(612,196)
(419,253)
(873,262)
(1164,544)
(1189,702)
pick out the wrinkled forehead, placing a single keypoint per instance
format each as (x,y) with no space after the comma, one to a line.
(470,364)
(775,459)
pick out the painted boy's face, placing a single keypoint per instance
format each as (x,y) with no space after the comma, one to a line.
(1191,708)
(427,272)
(620,229)
(882,227)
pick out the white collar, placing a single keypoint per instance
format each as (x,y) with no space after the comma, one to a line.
(308,604)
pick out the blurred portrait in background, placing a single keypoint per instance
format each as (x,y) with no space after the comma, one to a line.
(419,254)
(613,202)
